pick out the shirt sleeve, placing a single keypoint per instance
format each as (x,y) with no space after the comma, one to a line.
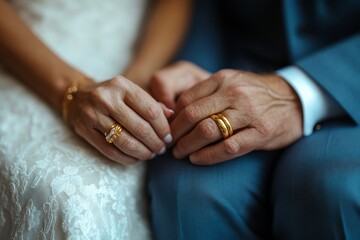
(317,105)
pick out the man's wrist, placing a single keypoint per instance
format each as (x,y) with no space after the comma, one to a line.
(317,105)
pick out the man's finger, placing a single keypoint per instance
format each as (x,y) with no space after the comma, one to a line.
(198,91)
(191,115)
(161,90)
(207,132)
(237,145)
(168,83)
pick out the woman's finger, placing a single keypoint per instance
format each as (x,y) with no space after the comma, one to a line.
(97,140)
(132,147)
(127,143)
(168,112)
(137,127)
(148,109)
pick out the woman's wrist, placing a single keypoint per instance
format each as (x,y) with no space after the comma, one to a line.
(70,94)
(139,74)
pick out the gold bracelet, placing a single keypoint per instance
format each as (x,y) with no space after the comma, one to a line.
(69,95)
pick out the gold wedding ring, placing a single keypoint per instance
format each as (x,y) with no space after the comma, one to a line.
(223,129)
(227,123)
(113,132)
(224,125)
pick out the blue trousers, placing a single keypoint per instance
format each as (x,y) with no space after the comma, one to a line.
(310,190)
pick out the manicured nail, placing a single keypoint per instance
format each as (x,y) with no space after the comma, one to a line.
(152,156)
(170,110)
(168,138)
(162,151)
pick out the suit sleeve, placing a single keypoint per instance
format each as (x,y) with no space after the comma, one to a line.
(337,70)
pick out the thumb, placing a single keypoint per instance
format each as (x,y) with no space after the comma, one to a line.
(163,94)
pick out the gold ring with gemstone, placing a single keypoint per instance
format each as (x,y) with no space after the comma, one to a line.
(113,132)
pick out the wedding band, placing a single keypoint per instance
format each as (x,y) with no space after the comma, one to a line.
(222,126)
(113,132)
(227,123)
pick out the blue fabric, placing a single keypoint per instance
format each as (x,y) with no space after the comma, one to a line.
(321,37)
(309,190)
(316,186)
(337,69)
(226,201)
(204,43)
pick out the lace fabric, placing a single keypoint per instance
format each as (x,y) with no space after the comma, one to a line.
(53,185)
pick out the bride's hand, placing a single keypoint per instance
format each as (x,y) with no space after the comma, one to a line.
(97,107)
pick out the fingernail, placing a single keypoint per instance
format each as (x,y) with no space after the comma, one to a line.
(170,110)
(162,151)
(168,138)
(152,156)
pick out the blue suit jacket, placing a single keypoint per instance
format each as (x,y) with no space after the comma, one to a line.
(320,36)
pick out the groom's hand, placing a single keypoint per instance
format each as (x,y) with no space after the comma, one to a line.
(263,110)
(169,82)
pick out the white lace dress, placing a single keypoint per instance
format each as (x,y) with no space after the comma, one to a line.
(53,185)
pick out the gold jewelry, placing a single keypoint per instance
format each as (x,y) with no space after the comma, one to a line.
(69,95)
(222,126)
(109,129)
(113,132)
(227,123)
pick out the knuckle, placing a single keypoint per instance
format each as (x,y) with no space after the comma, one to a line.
(184,64)
(237,90)
(223,74)
(99,96)
(118,79)
(97,93)
(131,95)
(152,112)
(142,130)
(121,82)
(207,130)
(128,145)
(184,100)
(231,147)
(191,114)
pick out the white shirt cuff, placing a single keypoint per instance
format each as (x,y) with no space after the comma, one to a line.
(317,105)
